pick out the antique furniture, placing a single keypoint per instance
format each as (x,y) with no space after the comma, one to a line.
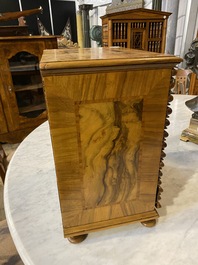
(182,81)
(6,31)
(22,104)
(191,133)
(191,59)
(140,28)
(16,30)
(107,111)
(15,15)
(7,247)
(193,89)
(3,163)
(34,217)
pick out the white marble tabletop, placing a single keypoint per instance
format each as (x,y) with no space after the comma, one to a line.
(34,218)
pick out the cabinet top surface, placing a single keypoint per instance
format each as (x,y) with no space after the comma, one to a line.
(26,38)
(139,11)
(98,57)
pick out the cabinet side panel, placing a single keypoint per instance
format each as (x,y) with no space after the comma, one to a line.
(109,140)
(107,132)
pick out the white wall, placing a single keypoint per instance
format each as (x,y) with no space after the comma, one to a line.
(182,26)
(99,9)
(148,4)
(187,26)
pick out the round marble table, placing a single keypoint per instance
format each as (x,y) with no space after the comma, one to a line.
(34,218)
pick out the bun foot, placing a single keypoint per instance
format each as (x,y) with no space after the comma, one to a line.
(77,239)
(149,223)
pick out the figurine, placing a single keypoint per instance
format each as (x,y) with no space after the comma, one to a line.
(191,133)
(191,57)
(192,104)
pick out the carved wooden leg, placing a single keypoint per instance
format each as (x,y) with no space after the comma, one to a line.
(77,239)
(149,223)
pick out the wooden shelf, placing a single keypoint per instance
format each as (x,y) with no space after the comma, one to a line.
(24,67)
(19,88)
(32,108)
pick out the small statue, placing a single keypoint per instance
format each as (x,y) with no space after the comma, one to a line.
(15,15)
(191,57)
(192,104)
(191,133)
(96,34)
(22,21)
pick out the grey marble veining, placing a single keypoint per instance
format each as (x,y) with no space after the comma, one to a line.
(33,213)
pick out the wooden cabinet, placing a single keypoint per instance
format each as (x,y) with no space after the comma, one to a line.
(193,89)
(140,28)
(107,110)
(22,103)
(13,31)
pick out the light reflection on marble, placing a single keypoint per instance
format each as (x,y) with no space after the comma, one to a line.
(33,213)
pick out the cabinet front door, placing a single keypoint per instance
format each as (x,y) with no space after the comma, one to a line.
(22,90)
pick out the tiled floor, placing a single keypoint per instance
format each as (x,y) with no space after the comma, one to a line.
(9,150)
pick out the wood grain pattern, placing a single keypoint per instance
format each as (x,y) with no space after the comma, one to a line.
(109,137)
(83,59)
(107,130)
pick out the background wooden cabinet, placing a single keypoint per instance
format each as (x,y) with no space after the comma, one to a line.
(60,11)
(193,89)
(140,28)
(22,103)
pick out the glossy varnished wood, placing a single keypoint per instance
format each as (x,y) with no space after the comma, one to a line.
(77,239)
(83,59)
(107,110)
(149,223)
